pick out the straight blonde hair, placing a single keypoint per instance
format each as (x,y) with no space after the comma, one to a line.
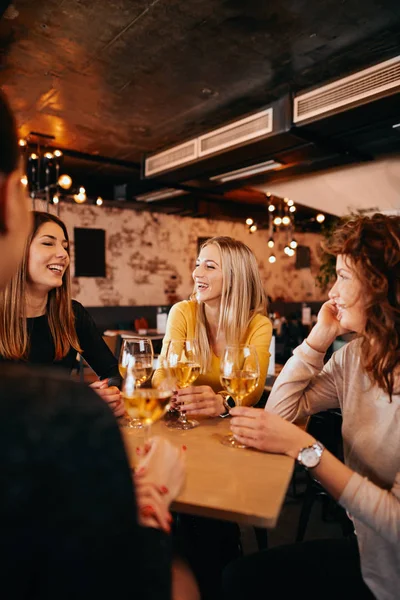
(14,338)
(242,298)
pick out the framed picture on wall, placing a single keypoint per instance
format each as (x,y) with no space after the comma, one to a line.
(90,252)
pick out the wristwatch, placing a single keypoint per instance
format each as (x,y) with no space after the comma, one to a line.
(310,456)
(228,402)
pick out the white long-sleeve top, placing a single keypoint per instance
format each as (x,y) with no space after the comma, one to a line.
(371,442)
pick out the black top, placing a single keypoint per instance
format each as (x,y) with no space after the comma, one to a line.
(67,505)
(95,351)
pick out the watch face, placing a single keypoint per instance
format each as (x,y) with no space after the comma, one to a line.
(310,457)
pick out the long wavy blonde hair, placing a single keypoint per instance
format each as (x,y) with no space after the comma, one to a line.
(14,338)
(242,298)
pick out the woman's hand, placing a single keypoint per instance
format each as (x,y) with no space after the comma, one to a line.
(327,327)
(268,432)
(159,478)
(152,506)
(111,395)
(200,400)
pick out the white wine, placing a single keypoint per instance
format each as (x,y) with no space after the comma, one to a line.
(240,384)
(185,373)
(147,405)
(141,371)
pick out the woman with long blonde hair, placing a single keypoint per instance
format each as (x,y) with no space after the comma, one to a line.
(41,324)
(228,306)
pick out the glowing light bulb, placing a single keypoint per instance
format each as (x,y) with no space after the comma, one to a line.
(249,221)
(287,250)
(271,208)
(57,153)
(33,156)
(24,180)
(293,244)
(290,202)
(65,181)
(82,190)
(286,200)
(49,155)
(271,243)
(253,228)
(272,258)
(99,201)
(320,218)
(22,143)
(286,220)
(56,199)
(292,209)
(277,221)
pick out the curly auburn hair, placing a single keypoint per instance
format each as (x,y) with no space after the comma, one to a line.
(373,245)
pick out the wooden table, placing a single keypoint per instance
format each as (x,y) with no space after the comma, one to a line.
(245,486)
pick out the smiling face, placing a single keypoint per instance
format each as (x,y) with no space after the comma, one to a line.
(48,258)
(348,296)
(207,276)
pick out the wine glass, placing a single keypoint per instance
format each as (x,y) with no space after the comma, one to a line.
(147,405)
(239,375)
(136,356)
(184,361)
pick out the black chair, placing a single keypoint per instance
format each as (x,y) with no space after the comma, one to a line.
(327,428)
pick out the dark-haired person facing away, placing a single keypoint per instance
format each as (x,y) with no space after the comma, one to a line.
(41,325)
(71,525)
(363,380)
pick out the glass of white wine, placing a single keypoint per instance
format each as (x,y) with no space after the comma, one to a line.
(184,361)
(239,375)
(136,356)
(148,405)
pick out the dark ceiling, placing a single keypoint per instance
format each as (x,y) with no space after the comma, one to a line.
(115,79)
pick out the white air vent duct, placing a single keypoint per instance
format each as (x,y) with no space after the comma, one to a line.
(174,157)
(360,88)
(234,135)
(269,165)
(239,132)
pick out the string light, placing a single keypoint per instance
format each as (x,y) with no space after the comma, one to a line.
(272,258)
(292,209)
(65,181)
(290,202)
(49,155)
(249,221)
(293,244)
(24,180)
(22,143)
(271,208)
(253,228)
(81,197)
(99,201)
(57,153)
(320,218)
(56,199)
(278,221)
(286,220)
(271,243)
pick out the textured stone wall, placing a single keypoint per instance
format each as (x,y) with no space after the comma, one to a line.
(150,257)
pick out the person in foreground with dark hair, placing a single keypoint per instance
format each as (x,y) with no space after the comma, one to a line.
(72,523)
(363,380)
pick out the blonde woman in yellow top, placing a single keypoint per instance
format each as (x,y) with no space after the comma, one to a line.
(227,306)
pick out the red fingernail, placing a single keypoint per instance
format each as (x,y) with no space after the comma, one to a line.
(184,448)
(147,511)
(163,489)
(138,451)
(147,447)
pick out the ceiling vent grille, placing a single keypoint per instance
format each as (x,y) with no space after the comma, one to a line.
(240,132)
(357,88)
(168,159)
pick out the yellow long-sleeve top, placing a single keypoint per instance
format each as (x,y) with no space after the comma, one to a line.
(181,324)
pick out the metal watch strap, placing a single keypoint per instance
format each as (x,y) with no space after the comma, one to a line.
(318,449)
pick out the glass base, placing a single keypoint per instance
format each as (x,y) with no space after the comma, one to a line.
(129,423)
(229,440)
(182,425)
